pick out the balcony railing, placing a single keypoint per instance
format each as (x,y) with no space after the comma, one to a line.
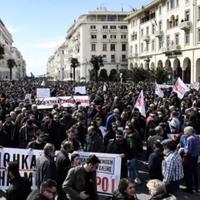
(185,25)
(113,40)
(113,30)
(93,39)
(175,47)
(93,30)
(146,38)
(159,33)
(105,40)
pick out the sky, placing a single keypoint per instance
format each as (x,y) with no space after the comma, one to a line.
(38,27)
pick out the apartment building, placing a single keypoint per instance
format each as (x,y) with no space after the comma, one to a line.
(99,32)
(166,33)
(10,52)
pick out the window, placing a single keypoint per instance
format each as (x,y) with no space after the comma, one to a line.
(104,36)
(147,46)
(153,28)
(112,27)
(92,27)
(112,58)
(93,36)
(104,48)
(160,26)
(104,58)
(123,36)
(124,58)
(160,10)
(142,32)
(131,49)
(142,47)
(123,47)
(187,37)
(168,40)
(198,13)
(160,42)
(112,47)
(177,39)
(113,36)
(167,5)
(147,30)
(105,27)
(93,47)
(172,3)
(187,15)
(123,27)
(199,35)
(153,45)
(136,48)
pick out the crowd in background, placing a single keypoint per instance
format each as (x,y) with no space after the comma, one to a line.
(110,124)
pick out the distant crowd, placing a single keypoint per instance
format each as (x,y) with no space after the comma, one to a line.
(168,138)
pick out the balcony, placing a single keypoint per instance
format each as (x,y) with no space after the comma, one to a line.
(113,30)
(123,30)
(105,40)
(93,39)
(105,30)
(146,38)
(185,25)
(113,40)
(159,33)
(175,47)
(93,30)
(124,62)
(133,55)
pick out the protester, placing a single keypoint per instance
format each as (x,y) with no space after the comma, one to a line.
(47,191)
(39,142)
(45,165)
(63,164)
(19,187)
(80,182)
(75,160)
(190,150)
(125,191)
(172,167)
(158,191)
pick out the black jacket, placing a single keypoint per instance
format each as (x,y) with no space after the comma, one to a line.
(19,188)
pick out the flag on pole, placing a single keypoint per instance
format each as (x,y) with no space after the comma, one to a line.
(104,87)
(140,104)
(180,88)
(158,91)
(43,83)
(195,86)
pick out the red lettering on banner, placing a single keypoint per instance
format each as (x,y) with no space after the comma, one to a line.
(105,184)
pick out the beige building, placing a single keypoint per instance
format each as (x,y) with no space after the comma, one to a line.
(166,33)
(99,32)
(10,52)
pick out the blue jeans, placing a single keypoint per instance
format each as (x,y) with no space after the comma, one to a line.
(132,169)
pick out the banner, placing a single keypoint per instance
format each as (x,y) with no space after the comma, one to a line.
(80,89)
(140,104)
(158,91)
(67,101)
(180,88)
(195,86)
(108,172)
(42,92)
(27,164)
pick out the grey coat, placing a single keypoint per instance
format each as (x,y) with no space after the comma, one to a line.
(75,183)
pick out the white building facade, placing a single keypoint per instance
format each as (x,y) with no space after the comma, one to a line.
(100,32)
(10,52)
(166,33)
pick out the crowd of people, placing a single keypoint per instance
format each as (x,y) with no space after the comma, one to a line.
(110,124)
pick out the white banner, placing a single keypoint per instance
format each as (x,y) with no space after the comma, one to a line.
(80,89)
(140,104)
(43,92)
(67,101)
(27,164)
(108,173)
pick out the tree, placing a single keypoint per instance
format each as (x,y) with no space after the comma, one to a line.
(11,63)
(160,75)
(1,52)
(97,62)
(74,65)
